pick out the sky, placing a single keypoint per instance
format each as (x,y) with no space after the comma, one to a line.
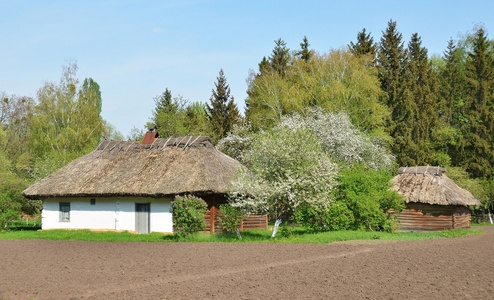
(136,49)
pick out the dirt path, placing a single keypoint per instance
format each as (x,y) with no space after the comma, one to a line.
(434,269)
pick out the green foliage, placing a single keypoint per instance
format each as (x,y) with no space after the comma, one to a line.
(314,219)
(12,203)
(365,45)
(5,163)
(232,217)
(66,122)
(177,116)
(479,187)
(169,115)
(419,105)
(280,57)
(136,134)
(363,202)
(285,230)
(15,115)
(197,120)
(304,53)
(391,62)
(165,104)
(366,194)
(188,214)
(223,111)
(479,158)
(337,82)
(111,133)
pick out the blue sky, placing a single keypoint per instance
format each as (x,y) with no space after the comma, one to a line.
(135,49)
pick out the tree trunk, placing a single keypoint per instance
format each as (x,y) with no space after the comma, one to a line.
(276,225)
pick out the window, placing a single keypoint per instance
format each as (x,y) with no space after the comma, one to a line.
(64,212)
(93,201)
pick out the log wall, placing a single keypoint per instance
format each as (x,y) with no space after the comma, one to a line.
(426,217)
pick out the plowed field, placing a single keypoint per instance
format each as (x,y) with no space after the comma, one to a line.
(461,268)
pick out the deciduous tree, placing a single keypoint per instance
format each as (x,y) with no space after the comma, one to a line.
(66,122)
(337,81)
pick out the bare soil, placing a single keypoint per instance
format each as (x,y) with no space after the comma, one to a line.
(432,269)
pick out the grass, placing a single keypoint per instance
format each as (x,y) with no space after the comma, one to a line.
(482,224)
(298,235)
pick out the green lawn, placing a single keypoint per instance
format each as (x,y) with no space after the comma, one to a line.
(297,236)
(482,224)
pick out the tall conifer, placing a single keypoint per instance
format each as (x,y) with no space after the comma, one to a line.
(164,104)
(280,57)
(452,112)
(391,72)
(223,111)
(421,100)
(365,45)
(480,103)
(304,52)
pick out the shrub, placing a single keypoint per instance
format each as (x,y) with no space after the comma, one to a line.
(232,217)
(188,214)
(310,217)
(363,201)
(367,194)
(12,203)
(337,217)
(285,230)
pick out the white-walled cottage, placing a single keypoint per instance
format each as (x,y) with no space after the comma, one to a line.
(130,185)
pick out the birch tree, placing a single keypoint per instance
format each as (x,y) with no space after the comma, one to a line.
(66,121)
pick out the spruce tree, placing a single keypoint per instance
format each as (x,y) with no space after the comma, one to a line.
(480,103)
(223,111)
(391,60)
(304,52)
(421,99)
(164,104)
(264,66)
(280,57)
(365,45)
(452,112)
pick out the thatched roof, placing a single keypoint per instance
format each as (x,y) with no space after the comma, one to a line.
(430,185)
(164,168)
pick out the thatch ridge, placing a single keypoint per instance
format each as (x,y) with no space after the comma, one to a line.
(430,185)
(168,167)
(434,170)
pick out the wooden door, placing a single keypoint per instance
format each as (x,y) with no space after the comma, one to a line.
(142,217)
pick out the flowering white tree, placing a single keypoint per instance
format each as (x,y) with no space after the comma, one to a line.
(297,161)
(337,135)
(342,140)
(237,142)
(286,167)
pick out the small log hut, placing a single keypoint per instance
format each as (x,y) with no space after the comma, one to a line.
(433,201)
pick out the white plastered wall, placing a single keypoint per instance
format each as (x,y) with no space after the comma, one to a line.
(107,213)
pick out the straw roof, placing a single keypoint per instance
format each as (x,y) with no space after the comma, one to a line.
(166,167)
(430,185)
